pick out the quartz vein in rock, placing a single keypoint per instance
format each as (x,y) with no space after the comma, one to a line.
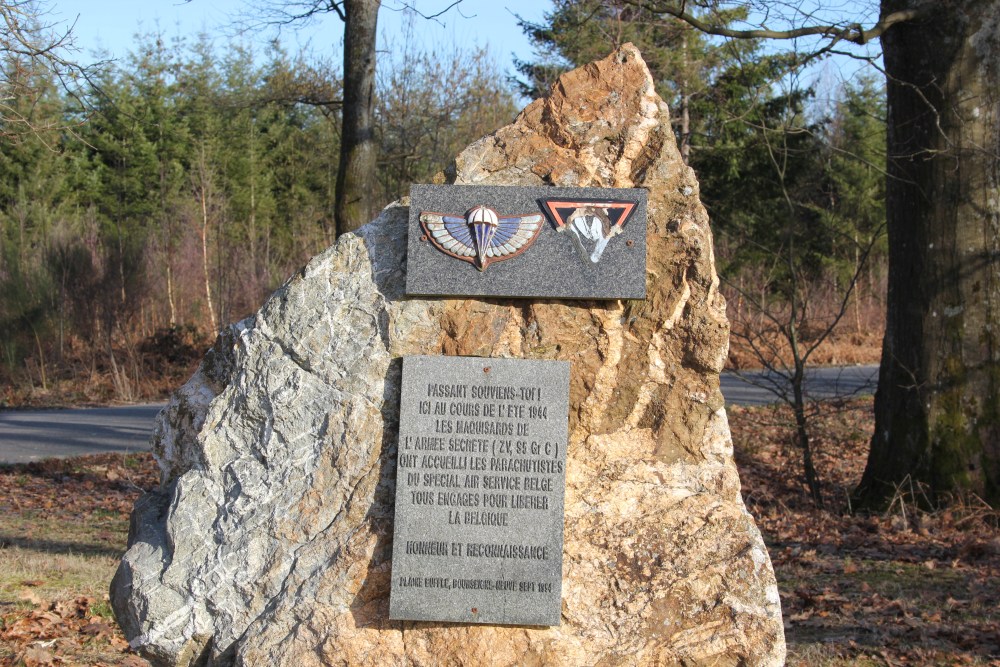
(269,541)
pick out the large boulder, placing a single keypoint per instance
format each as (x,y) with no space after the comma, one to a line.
(269,540)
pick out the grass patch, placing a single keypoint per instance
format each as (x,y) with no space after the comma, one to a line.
(855,590)
(31,577)
(63,527)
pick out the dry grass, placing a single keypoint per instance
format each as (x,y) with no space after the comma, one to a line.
(759,339)
(875,590)
(63,525)
(843,348)
(84,376)
(31,576)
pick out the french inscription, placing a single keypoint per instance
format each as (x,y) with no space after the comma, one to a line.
(481,469)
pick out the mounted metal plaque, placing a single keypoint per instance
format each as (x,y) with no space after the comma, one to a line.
(543,242)
(480,476)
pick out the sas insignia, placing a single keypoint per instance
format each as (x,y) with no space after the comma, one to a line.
(592,223)
(482,236)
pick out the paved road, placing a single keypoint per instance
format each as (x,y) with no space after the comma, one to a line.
(758,388)
(30,435)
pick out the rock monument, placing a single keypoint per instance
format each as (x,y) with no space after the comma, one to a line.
(269,540)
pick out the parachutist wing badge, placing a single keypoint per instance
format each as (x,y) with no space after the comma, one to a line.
(450,233)
(482,236)
(592,223)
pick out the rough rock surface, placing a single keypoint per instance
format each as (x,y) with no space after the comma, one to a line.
(269,542)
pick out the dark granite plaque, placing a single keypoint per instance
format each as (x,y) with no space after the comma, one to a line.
(480,476)
(575,243)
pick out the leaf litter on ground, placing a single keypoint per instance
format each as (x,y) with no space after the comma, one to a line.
(63,527)
(907,587)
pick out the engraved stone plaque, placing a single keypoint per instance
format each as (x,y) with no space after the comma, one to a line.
(573,243)
(480,476)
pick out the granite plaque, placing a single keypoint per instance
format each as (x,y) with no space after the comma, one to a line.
(534,242)
(480,476)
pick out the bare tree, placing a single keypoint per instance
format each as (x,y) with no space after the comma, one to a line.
(937,409)
(356,175)
(789,304)
(32,51)
(358,152)
(786,331)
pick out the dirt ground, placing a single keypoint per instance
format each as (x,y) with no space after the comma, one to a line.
(906,587)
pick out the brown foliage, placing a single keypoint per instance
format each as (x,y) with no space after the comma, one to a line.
(165,359)
(904,588)
(843,347)
(909,587)
(73,500)
(53,633)
(79,486)
(856,338)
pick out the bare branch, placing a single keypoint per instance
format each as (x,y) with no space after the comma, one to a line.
(852,32)
(846,296)
(282,13)
(411,7)
(32,49)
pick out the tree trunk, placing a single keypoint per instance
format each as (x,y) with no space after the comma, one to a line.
(253,200)
(356,175)
(41,358)
(204,264)
(170,295)
(937,410)
(203,186)
(685,101)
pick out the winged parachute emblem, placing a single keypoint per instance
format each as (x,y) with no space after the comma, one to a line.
(481,236)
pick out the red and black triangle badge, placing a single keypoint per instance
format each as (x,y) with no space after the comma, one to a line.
(613,213)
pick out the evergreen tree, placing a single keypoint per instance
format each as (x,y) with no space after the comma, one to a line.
(192,185)
(741,123)
(33,193)
(683,62)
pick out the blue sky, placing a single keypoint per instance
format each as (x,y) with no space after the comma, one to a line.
(111,25)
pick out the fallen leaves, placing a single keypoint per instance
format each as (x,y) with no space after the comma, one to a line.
(916,591)
(37,657)
(869,589)
(107,483)
(61,633)
(49,510)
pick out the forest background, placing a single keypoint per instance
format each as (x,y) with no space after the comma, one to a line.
(169,192)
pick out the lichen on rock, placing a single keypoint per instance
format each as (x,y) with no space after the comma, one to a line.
(269,540)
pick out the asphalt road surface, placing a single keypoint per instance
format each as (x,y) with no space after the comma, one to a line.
(761,388)
(32,435)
